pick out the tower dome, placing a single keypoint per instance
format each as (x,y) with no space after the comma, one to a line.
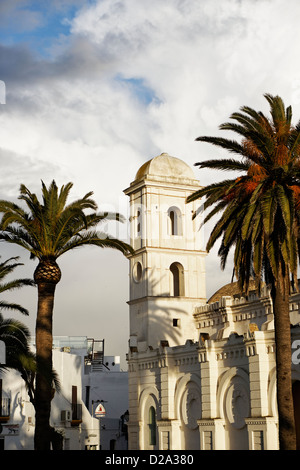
(165,166)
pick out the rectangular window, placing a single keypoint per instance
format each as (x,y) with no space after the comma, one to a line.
(87,396)
(152,426)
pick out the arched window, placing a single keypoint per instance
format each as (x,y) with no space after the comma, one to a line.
(175,222)
(138,223)
(152,426)
(177,280)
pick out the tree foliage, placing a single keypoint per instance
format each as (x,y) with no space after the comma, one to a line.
(47,229)
(259,220)
(259,217)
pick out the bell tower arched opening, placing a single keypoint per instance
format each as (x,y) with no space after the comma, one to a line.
(177,280)
(175,221)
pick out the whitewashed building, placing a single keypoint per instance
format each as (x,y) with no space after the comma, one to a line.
(88,380)
(201,374)
(69,415)
(105,393)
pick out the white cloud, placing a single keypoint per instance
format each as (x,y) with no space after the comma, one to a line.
(79,115)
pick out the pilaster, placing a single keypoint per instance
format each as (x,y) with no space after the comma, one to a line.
(259,372)
(262,433)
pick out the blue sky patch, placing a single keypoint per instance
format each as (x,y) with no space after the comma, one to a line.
(36,23)
(140,90)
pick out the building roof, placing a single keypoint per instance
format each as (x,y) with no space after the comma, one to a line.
(230,290)
(166,166)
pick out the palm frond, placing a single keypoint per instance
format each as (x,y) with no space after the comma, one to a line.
(54,226)
(16,284)
(95,238)
(258,215)
(214,190)
(225,165)
(13,306)
(227,144)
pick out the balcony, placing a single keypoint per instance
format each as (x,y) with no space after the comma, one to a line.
(76,414)
(95,353)
(4,410)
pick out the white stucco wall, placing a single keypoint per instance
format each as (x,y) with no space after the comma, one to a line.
(211,379)
(18,431)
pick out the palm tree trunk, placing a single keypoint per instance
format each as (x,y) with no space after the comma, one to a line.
(280,297)
(43,392)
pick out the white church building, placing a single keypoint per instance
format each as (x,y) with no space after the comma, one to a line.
(201,373)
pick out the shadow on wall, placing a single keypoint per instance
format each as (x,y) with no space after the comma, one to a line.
(168,312)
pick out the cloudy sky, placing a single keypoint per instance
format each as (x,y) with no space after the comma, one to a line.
(90,90)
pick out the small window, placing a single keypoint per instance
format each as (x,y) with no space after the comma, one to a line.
(172,222)
(176,322)
(137,271)
(138,223)
(87,395)
(175,223)
(152,426)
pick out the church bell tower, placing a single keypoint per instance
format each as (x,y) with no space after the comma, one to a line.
(167,269)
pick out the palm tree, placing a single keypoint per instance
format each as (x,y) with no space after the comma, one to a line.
(16,337)
(14,334)
(260,221)
(48,229)
(5,269)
